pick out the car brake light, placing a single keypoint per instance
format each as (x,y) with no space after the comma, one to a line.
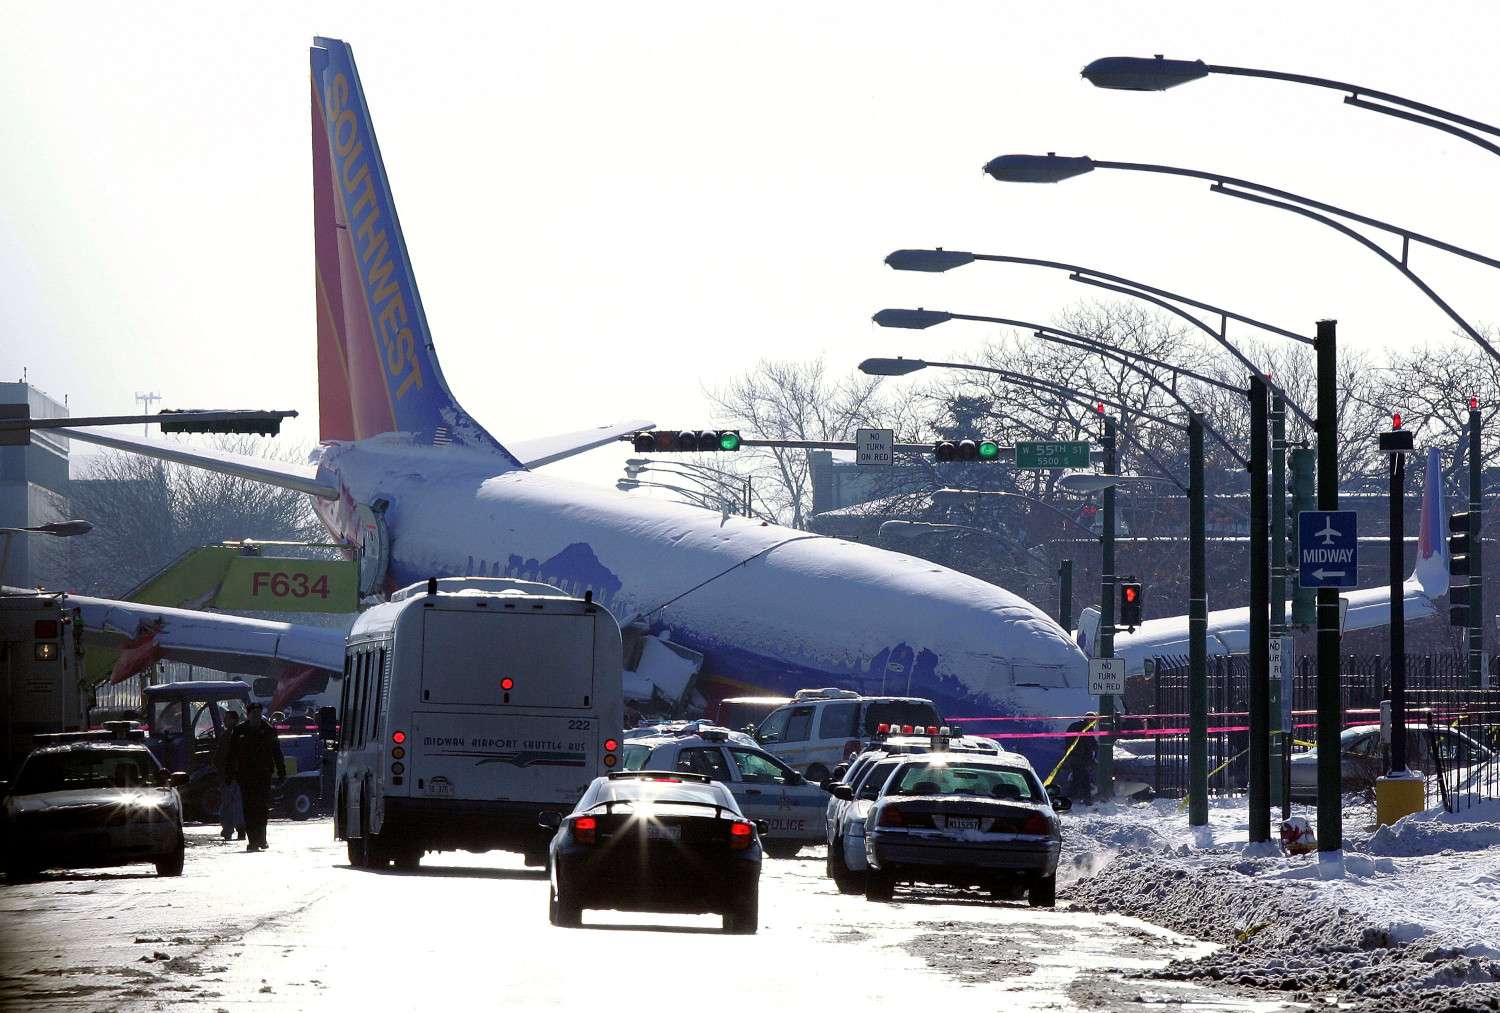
(584,829)
(740,835)
(890,816)
(398,737)
(610,745)
(1036,823)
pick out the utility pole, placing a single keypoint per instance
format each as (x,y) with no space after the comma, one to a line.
(1399,793)
(1197,630)
(1330,704)
(1260,620)
(1280,690)
(1065,595)
(1477,674)
(146,400)
(1106,760)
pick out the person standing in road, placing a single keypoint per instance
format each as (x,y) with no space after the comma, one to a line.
(1081,760)
(255,761)
(231,811)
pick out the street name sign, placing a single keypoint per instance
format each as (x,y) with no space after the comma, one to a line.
(1106,676)
(1066,454)
(874,446)
(1327,548)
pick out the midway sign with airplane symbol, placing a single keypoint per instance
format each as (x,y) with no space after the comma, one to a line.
(1327,548)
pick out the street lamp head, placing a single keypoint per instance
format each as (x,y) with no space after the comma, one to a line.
(1136,73)
(931,261)
(891,367)
(626,484)
(1048,168)
(911,320)
(637,462)
(1087,481)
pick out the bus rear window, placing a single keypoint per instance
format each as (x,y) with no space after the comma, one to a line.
(507,659)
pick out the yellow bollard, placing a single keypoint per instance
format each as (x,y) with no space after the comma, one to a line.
(1396,797)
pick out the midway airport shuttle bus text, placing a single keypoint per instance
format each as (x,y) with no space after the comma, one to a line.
(470,707)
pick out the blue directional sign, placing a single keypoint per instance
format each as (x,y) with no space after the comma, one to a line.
(1327,548)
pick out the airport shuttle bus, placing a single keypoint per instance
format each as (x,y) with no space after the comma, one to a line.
(470,707)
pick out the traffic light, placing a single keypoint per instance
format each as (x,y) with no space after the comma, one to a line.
(688,441)
(1460,550)
(247,426)
(1301,495)
(1130,603)
(987,451)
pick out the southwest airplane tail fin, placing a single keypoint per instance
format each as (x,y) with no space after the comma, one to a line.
(1431,569)
(377,369)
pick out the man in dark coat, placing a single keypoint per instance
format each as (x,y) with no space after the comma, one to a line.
(1081,760)
(254,761)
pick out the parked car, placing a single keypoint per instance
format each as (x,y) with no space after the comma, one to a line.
(655,841)
(744,713)
(965,819)
(764,787)
(91,800)
(1363,757)
(821,728)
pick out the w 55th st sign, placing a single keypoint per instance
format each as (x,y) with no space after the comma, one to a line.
(1327,548)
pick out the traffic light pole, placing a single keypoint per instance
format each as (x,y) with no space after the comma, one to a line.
(1330,706)
(1476,553)
(1197,630)
(1281,750)
(1065,594)
(1260,620)
(1106,753)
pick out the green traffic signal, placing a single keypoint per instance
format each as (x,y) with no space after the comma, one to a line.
(989,450)
(729,440)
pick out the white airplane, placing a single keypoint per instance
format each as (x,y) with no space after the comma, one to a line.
(424,490)
(1229,629)
(408,476)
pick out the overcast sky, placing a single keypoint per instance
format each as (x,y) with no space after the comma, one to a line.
(610,206)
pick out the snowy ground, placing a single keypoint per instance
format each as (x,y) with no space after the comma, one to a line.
(1413,923)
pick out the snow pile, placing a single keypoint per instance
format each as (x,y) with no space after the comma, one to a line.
(1412,925)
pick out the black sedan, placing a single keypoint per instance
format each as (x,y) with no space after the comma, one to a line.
(965,819)
(646,840)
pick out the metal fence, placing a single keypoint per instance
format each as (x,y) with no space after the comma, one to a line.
(1454,738)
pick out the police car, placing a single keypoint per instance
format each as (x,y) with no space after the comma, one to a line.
(90,800)
(964,819)
(859,784)
(764,787)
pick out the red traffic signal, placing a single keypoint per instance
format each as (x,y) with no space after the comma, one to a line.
(1130,604)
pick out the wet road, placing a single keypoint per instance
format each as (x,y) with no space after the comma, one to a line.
(295,928)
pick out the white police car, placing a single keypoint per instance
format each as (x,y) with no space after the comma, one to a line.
(765,788)
(89,800)
(861,783)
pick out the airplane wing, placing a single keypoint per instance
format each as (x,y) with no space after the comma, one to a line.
(145,634)
(287,475)
(548,449)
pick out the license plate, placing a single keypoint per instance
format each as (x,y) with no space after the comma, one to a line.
(656,832)
(963,822)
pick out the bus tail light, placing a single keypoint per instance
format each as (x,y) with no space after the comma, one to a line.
(609,759)
(585,829)
(398,737)
(740,835)
(398,752)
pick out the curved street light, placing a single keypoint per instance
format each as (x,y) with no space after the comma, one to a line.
(1136,73)
(921,319)
(1052,168)
(937,261)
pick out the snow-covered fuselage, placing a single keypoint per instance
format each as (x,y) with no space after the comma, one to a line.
(769,607)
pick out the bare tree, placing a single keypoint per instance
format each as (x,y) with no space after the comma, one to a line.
(147,513)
